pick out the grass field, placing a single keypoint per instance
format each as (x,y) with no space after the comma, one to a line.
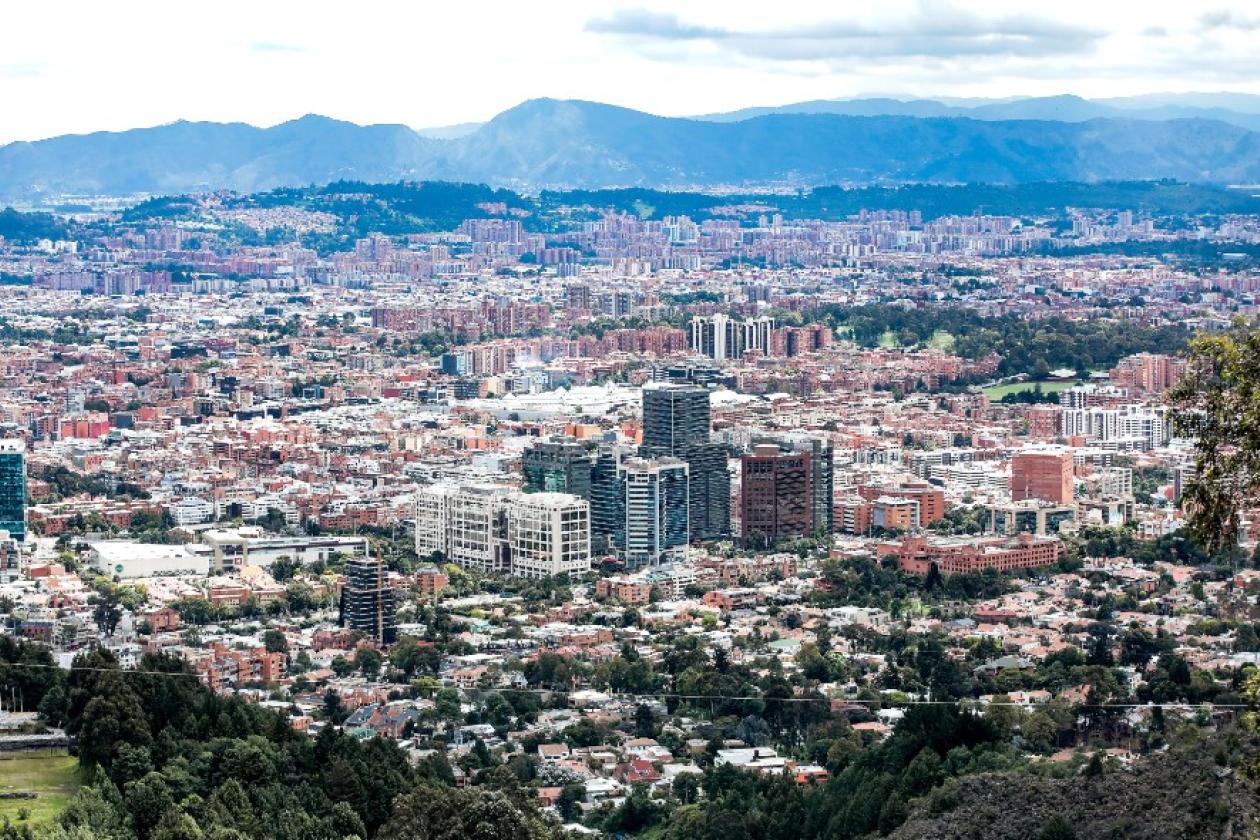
(996,392)
(888,340)
(53,778)
(941,340)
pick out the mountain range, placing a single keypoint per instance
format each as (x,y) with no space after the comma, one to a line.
(549,143)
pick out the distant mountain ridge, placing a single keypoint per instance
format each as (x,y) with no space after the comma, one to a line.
(1236,109)
(548,143)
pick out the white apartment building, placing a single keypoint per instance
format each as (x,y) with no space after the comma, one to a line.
(549,534)
(1149,426)
(191,511)
(492,528)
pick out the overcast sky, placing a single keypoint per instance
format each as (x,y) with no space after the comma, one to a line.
(83,65)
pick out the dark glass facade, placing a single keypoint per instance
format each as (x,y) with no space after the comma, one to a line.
(13,489)
(676,422)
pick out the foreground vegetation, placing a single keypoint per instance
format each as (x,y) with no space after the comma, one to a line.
(53,779)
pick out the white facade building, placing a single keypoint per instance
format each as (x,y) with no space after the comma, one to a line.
(549,534)
(492,528)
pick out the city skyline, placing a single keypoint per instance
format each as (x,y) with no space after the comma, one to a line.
(374,67)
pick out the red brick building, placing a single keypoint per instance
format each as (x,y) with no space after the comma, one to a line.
(954,555)
(1042,474)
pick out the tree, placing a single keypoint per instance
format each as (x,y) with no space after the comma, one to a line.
(1057,828)
(570,800)
(106,612)
(284,568)
(644,721)
(275,642)
(112,717)
(686,788)
(440,813)
(1218,404)
(934,579)
(148,800)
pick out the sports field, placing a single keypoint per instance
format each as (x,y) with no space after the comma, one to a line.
(996,392)
(52,778)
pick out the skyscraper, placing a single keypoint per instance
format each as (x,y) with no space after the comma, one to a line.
(13,488)
(608,498)
(557,465)
(656,529)
(676,424)
(367,601)
(776,501)
(822,483)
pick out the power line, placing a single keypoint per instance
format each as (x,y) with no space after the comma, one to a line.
(632,696)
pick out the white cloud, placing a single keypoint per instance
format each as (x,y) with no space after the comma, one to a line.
(82,65)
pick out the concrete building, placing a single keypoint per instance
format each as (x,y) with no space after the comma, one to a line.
(367,601)
(776,495)
(492,528)
(549,534)
(228,548)
(123,559)
(1045,474)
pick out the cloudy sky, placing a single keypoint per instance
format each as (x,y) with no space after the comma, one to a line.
(82,65)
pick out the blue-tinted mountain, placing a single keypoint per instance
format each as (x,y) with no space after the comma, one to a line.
(1236,109)
(198,156)
(548,143)
(568,143)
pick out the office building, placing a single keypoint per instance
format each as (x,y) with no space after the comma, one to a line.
(1045,474)
(676,425)
(657,517)
(549,534)
(608,498)
(367,601)
(490,528)
(1029,517)
(13,488)
(776,495)
(557,465)
(822,481)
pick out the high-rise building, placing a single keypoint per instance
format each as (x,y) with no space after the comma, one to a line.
(776,498)
(676,425)
(1045,474)
(557,465)
(722,337)
(367,601)
(549,534)
(577,298)
(822,483)
(491,528)
(13,488)
(656,501)
(608,497)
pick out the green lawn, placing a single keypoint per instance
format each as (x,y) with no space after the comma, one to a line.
(996,392)
(941,340)
(53,778)
(888,340)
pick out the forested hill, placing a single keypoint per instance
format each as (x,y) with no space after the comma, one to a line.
(1190,793)
(164,758)
(550,143)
